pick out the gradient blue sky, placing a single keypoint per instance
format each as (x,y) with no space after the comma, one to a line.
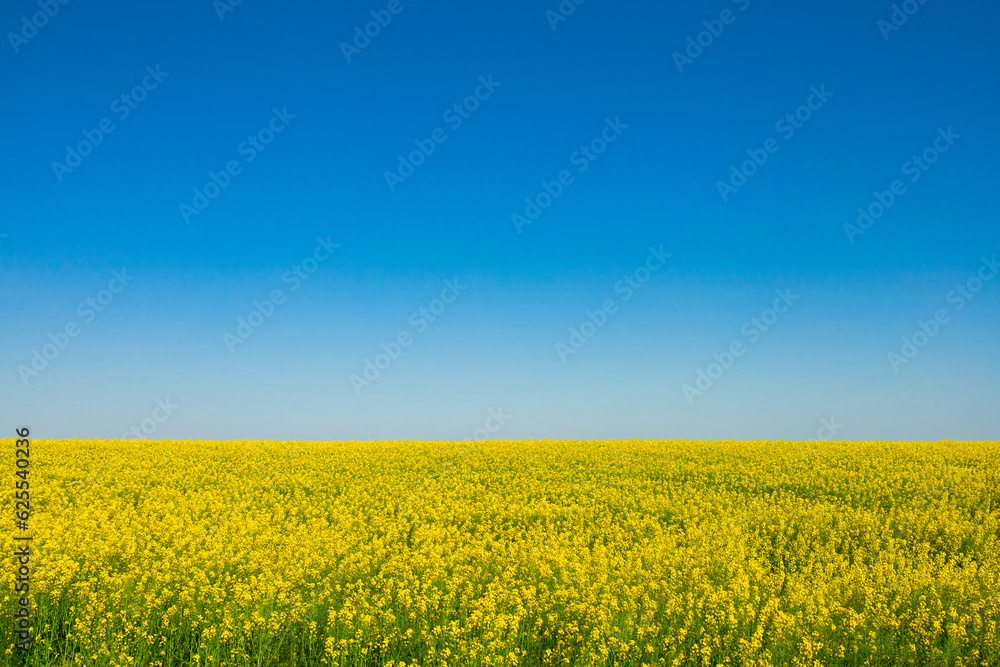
(495,346)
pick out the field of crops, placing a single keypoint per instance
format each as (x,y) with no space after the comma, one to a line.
(510,553)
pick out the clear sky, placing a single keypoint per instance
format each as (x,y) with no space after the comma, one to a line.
(641,220)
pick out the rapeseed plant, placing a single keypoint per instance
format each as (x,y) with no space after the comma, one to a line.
(631,552)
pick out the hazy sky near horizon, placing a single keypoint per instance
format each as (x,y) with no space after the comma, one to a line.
(736,219)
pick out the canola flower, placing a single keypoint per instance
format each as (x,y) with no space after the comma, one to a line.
(628,552)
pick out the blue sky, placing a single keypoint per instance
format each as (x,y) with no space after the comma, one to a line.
(623,132)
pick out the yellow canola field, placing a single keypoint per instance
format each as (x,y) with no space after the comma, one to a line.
(616,552)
